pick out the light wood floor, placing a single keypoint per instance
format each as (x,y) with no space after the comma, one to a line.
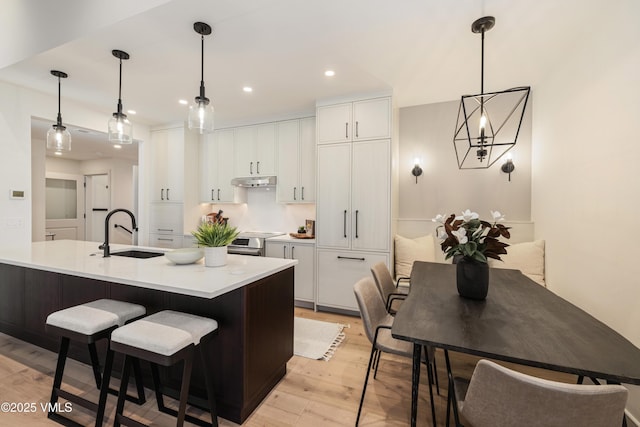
(313,393)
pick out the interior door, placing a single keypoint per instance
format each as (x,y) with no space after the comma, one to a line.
(98,203)
(64,206)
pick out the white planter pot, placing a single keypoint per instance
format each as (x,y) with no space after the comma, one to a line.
(215,257)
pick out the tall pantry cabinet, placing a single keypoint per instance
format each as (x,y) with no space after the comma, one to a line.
(353,211)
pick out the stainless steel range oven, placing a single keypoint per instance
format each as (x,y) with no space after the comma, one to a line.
(251,243)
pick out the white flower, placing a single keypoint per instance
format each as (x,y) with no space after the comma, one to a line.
(497,216)
(468,216)
(461,235)
(439,218)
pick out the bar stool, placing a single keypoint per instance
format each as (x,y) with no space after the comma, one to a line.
(166,338)
(89,323)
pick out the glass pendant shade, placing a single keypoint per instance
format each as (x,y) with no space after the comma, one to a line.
(201,111)
(120,129)
(201,116)
(488,123)
(58,138)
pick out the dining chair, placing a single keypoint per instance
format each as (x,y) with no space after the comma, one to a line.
(389,291)
(499,397)
(377,324)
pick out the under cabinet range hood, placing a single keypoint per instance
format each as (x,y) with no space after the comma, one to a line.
(255,181)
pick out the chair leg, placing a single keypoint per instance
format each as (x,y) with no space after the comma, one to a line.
(451,395)
(184,390)
(122,393)
(95,364)
(104,389)
(430,373)
(213,409)
(376,364)
(366,380)
(137,374)
(57,379)
(157,387)
(435,375)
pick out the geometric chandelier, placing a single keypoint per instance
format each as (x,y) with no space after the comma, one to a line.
(488,123)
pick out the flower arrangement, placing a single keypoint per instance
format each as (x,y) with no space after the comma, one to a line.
(215,234)
(469,236)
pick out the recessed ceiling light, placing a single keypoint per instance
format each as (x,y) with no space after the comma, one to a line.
(58,153)
(247,89)
(133,112)
(116,146)
(329,73)
(183,102)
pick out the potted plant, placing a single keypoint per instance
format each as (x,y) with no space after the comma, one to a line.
(470,241)
(215,237)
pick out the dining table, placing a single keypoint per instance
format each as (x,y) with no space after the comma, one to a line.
(520,322)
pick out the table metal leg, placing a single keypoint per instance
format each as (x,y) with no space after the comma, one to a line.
(415,382)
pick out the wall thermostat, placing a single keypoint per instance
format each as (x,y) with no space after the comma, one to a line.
(16,194)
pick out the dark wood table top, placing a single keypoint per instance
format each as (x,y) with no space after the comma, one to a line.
(520,322)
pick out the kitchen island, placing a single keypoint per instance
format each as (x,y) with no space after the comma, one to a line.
(250,297)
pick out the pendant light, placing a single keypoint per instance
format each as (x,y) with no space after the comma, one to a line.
(58,137)
(120,130)
(201,111)
(488,123)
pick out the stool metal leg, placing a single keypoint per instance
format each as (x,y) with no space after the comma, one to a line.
(95,363)
(106,376)
(184,390)
(57,380)
(213,410)
(124,382)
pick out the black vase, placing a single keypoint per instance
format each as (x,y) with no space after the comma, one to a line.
(472,278)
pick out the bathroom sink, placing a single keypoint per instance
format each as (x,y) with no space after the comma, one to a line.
(137,253)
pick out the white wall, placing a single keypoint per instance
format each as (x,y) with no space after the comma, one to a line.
(586,190)
(17,106)
(426,132)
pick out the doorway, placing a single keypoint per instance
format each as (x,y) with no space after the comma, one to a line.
(97,205)
(64,206)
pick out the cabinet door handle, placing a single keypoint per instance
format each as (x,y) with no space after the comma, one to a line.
(168,240)
(346,130)
(162,194)
(218,194)
(344,226)
(250,168)
(302,193)
(258,168)
(165,229)
(357,223)
(356,129)
(294,193)
(284,251)
(350,257)
(212,198)
(167,194)
(292,255)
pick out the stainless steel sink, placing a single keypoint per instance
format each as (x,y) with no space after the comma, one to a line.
(137,253)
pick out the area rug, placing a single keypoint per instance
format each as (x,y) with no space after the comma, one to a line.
(316,339)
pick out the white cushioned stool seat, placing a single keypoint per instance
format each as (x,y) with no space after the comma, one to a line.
(165,332)
(95,316)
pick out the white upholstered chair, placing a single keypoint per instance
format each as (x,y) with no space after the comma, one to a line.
(500,397)
(390,292)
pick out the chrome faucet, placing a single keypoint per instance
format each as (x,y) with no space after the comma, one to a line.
(105,245)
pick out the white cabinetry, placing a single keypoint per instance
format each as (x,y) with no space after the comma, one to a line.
(353,210)
(167,168)
(255,150)
(166,225)
(354,121)
(296,161)
(304,273)
(353,200)
(217,154)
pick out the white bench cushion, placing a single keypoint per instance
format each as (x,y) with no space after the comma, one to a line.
(95,316)
(407,251)
(165,332)
(528,257)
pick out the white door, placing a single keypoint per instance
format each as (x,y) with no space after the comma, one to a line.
(372,119)
(304,275)
(333,226)
(98,204)
(64,206)
(245,138)
(265,150)
(333,122)
(307,159)
(287,187)
(225,192)
(370,195)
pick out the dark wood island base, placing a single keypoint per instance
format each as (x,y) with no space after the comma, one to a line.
(249,354)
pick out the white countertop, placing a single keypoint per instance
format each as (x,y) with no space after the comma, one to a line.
(84,259)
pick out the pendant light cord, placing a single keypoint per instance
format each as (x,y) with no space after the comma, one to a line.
(120,90)
(202,97)
(59,115)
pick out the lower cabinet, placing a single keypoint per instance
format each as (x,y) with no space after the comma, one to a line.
(166,225)
(168,241)
(304,252)
(338,271)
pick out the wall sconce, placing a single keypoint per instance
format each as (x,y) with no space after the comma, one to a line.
(508,166)
(417,170)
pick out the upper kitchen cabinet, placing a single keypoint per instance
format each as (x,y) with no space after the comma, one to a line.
(354,121)
(255,150)
(217,155)
(296,161)
(167,168)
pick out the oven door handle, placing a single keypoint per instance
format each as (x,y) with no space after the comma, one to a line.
(244,251)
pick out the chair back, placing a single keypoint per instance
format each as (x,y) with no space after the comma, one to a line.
(372,308)
(383,280)
(498,396)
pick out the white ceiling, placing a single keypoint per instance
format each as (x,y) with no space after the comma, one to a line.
(422,50)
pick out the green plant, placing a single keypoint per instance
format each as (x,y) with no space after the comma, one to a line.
(215,234)
(471,237)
